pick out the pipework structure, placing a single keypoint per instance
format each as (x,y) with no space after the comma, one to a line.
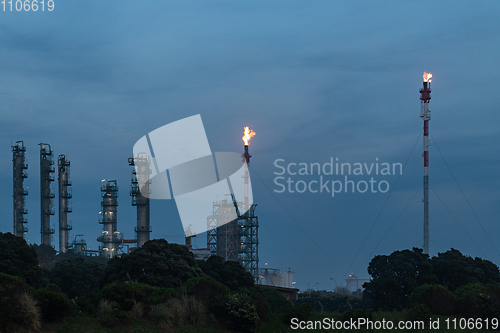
(249,226)
(237,240)
(20,167)
(46,194)
(140,175)
(64,207)
(425,114)
(110,238)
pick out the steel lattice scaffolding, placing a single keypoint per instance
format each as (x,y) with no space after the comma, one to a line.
(237,240)
(249,241)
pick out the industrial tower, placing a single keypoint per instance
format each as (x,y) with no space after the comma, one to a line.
(249,227)
(107,217)
(64,208)
(425,114)
(140,175)
(46,194)
(237,240)
(20,167)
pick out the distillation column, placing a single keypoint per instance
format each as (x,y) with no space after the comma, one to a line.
(46,195)
(140,175)
(64,206)
(109,205)
(20,167)
(425,114)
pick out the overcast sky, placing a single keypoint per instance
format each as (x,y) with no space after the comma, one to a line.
(314,79)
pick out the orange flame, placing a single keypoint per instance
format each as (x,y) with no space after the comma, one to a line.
(248,135)
(427,77)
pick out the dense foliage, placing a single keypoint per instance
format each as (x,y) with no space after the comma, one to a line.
(162,284)
(156,263)
(396,276)
(229,273)
(78,277)
(19,259)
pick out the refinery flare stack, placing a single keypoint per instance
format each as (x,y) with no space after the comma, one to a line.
(425,114)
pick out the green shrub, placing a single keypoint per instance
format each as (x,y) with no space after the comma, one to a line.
(53,303)
(109,314)
(478,301)
(11,289)
(125,294)
(435,297)
(470,300)
(137,311)
(160,315)
(241,313)
(177,312)
(277,303)
(197,311)
(30,312)
(301,311)
(84,305)
(206,289)
(356,314)
(419,312)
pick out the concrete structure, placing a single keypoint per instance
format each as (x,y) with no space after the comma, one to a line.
(354,283)
(276,277)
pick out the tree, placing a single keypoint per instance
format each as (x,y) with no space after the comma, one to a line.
(435,297)
(46,255)
(453,270)
(17,258)
(230,273)
(395,277)
(156,263)
(78,277)
(11,312)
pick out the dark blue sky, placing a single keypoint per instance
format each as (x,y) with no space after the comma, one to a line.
(315,80)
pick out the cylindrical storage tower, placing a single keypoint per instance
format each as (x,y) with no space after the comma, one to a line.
(64,207)
(46,195)
(109,238)
(140,196)
(20,167)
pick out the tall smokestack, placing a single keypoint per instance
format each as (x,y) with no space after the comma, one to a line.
(140,177)
(46,194)
(425,114)
(20,167)
(64,208)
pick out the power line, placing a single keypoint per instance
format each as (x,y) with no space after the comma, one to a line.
(383,206)
(467,200)
(387,232)
(457,221)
